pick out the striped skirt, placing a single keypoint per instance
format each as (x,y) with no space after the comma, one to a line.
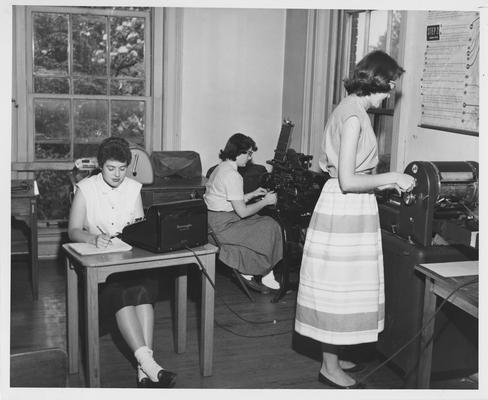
(341,293)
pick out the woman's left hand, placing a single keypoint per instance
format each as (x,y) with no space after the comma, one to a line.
(259,192)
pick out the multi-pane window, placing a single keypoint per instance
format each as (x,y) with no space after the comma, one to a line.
(89,78)
(368,31)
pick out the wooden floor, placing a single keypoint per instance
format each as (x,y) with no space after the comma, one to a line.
(254,347)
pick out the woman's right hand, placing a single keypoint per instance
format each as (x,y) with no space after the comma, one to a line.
(270,198)
(405,182)
(102,241)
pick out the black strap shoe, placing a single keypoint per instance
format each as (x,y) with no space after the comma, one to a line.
(166,379)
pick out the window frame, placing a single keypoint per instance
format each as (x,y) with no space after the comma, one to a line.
(31,96)
(387,109)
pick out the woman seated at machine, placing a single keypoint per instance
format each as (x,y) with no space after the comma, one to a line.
(102,206)
(250,243)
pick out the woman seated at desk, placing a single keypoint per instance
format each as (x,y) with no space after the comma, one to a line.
(250,243)
(102,206)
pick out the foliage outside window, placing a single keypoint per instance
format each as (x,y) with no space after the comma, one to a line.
(90,80)
(369,31)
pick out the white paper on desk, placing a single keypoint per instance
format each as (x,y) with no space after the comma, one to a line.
(450,269)
(85,249)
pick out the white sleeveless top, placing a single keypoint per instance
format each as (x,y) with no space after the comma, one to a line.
(109,208)
(367,151)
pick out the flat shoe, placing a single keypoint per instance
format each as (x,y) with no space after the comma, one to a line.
(357,368)
(166,379)
(258,287)
(327,381)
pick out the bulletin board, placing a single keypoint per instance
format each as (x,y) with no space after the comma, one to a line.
(449,85)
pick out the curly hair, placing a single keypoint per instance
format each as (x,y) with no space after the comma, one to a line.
(114,148)
(373,74)
(236,145)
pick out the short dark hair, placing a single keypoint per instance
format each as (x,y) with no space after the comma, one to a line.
(373,74)
(236,145)
(114,148)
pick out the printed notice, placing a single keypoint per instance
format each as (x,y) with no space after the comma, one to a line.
(450,78)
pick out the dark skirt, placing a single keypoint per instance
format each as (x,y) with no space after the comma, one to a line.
(252,245)
(131,288)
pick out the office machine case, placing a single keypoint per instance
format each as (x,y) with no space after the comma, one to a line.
(456,333)
(170,226)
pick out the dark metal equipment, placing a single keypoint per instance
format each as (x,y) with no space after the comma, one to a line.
(169,227)
(436,222)
(298,189)
(444,202)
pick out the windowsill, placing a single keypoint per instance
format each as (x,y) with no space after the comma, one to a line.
(39,165)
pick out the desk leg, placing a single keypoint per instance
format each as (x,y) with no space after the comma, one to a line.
(91,324)
(425,359)
(180,308)
(33,243)
(72,317)
(207,325)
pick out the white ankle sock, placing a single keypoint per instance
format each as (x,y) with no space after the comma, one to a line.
(247,277)
(144,356)
(270,281)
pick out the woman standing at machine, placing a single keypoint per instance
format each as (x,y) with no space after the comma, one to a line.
(102,206)
(341,293)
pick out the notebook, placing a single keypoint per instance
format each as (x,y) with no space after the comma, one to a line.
(85,249)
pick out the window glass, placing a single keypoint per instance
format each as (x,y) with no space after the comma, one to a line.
(50,43)
(358,37)
(52,136)
(395,34)
(127,47)
(81,56)
(88,82)
(89,45)
(377,31)
(128,120)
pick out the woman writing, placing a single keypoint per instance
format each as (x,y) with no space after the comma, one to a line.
(341,294)
(102,206)
(250,243)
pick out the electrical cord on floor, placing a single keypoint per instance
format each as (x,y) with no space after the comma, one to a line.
(274,321)
(252,336)
(363,379)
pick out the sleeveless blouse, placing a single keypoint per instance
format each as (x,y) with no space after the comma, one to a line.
(367,152)
(109,208)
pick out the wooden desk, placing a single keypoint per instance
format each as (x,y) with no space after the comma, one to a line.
(466,298)
(23,198)
(96,268)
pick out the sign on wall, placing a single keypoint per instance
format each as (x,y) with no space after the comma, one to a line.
(449,85)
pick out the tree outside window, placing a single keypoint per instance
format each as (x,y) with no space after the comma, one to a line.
(90,80)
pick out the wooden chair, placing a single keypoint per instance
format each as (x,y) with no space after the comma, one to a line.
(39,368)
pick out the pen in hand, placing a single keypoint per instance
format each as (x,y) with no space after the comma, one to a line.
(105,234)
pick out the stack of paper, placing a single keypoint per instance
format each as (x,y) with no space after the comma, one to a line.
(85,249)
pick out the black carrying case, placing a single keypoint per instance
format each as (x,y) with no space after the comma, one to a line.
(170,226)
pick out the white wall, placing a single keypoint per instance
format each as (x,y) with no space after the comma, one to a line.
(415,143)
(232,80)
